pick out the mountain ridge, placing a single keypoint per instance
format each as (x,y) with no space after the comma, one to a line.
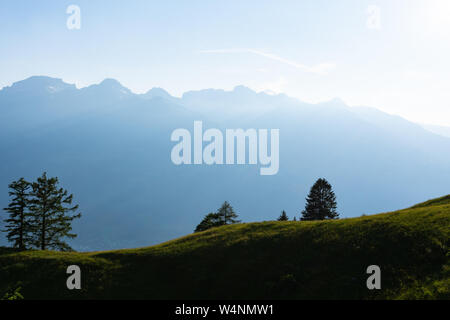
(51,85)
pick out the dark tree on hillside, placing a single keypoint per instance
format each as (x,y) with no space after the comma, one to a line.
(18,225)
(283,216)
(51,210)
(320,203)
(211,220)
(225,215)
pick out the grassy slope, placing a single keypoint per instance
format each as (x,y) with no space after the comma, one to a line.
(294,260)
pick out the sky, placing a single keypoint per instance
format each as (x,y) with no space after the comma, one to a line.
(391,55)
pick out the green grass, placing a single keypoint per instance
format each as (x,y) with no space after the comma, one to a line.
(267,260)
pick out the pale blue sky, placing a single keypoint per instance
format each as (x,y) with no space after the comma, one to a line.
(314,50)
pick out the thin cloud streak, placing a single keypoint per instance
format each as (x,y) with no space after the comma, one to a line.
(320,69)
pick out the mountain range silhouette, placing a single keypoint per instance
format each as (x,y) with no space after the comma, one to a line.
(111,148)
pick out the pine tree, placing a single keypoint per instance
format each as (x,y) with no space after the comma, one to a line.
(211,220)
(18,224)
(320,203)
(227,214)
(283,216)
(51,208)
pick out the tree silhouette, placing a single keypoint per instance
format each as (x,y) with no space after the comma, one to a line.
(283,216)
(225,215)
(50,208)
(211,220)
(320,203)
(18,226)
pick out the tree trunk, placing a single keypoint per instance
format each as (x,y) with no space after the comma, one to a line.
(43,233)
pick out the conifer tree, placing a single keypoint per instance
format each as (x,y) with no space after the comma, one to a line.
(18,225)
(320,203)
(283,216)
(227,215)
(211,220)
(51,210)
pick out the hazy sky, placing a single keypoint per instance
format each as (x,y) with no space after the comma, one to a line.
(314,50)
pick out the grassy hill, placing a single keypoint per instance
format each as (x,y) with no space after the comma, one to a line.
(281,260)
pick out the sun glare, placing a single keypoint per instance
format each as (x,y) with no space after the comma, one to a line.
(437,16)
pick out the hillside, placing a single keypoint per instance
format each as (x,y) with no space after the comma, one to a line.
(292,260)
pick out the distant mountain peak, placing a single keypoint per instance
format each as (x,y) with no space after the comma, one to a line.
(243,89)
(111,86)
(157,92)
(109,82)
(42,80)
(238,90)
(338,101)
(40,84)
